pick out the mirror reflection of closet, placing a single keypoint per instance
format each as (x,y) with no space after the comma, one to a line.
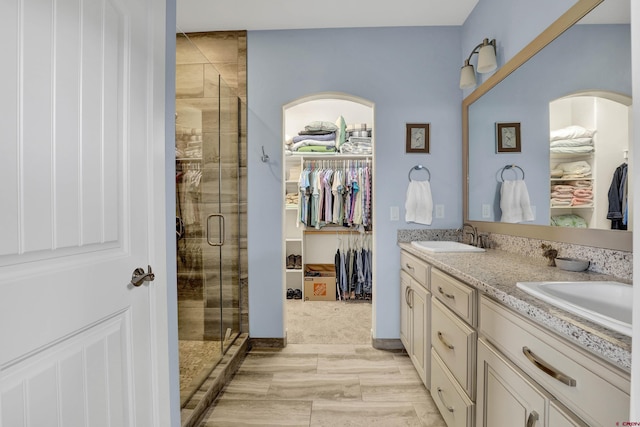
(584,167)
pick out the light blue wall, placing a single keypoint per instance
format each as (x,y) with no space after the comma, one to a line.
(565,66)
(514,24)
(411,74)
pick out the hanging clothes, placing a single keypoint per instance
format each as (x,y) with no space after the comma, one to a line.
(354,270)
(338,193)
(618,199)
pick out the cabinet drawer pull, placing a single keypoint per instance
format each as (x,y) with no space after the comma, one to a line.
(408,266)
(548,369)
(410,297)
(449,408)
(445,294)
(443,341)
(532,419)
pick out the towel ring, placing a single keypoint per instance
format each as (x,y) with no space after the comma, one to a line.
(511,167)
(418,167)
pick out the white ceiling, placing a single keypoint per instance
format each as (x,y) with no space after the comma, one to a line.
(251,15)
(221,15)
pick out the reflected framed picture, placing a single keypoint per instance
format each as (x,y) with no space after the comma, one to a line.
(508,138)
(417,138)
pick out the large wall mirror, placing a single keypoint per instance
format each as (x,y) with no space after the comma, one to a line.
(575,76)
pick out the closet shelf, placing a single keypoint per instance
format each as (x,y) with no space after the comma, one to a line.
(571,207)
(320,156)
(293,240)
(571,179)
(334,231)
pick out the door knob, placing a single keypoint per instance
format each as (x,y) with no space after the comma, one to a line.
(139,276)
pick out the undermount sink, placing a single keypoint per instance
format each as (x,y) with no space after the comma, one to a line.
(606,303)
(444,246)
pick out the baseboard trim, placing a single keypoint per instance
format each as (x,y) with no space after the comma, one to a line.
(267,342)
(387,344)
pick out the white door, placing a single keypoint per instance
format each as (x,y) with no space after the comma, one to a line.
(81,113)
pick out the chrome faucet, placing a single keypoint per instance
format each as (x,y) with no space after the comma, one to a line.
(473,233)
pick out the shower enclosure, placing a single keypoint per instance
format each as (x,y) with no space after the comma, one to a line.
(210,212)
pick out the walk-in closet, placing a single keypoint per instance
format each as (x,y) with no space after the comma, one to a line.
(328,224)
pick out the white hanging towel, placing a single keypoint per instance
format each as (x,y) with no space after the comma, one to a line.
(419,205)
(514,202)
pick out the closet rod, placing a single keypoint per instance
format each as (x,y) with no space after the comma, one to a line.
(336,232)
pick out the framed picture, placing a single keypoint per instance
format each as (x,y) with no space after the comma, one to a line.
(417,138)
(508,137)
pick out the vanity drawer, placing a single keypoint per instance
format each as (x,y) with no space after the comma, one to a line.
(594,390)
(419,270)
(454,405)
(460,298)
(455,342)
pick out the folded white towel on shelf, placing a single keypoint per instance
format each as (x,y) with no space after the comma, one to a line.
(514,202)
(419,204)
(574,168)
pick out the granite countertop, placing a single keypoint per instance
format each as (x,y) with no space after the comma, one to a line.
(495,273)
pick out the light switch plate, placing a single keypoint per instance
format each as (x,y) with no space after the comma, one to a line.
(394,213)
(486,210)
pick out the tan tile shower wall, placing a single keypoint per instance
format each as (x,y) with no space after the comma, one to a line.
(200,59)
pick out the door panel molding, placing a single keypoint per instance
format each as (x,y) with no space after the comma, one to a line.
(77,379)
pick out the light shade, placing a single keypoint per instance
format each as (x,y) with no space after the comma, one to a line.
(467,77)
(486,63)
(487,59)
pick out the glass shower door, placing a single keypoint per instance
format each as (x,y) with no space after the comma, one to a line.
(222,189)
(209,189)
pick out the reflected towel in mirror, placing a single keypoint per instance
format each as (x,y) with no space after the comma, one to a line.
(514,202)
(419,204)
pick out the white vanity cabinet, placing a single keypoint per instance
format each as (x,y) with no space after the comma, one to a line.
(560,416)
(487,365)
(506,396)
(415,314)
(453,342)
(596,393)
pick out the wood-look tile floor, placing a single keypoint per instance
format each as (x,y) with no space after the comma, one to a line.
(324,385)
(326,375)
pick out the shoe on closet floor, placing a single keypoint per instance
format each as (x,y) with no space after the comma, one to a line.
(290,293)
(291,262)
(297,294)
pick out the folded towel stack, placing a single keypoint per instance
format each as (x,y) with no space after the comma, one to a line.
(572,139)
(292,200)
(573,170)
(572,193)
(317,136)
(358,140)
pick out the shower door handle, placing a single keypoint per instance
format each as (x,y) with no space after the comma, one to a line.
(222,230)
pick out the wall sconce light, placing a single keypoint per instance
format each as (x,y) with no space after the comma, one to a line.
(486,63)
